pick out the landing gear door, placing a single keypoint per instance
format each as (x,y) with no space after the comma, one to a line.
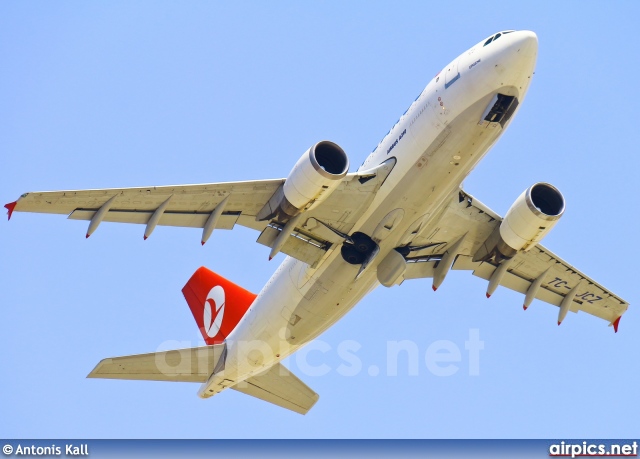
(499,111)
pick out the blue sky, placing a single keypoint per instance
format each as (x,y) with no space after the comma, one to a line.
(116,94)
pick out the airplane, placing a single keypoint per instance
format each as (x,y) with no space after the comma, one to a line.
(402,215)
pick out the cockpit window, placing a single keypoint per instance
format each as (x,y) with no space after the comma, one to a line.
(496,36)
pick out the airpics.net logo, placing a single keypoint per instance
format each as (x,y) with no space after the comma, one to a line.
(213,311)
(588,449)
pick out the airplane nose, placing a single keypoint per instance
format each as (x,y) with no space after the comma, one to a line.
(520,51)
(526,42)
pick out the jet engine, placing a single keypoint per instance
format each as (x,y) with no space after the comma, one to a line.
(529,219)
(318,172)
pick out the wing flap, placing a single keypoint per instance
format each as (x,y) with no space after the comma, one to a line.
(246,197)
(181,219)
(592,298)
(279,386)
(420,270)
(305,249)
(511,281)
(181,365)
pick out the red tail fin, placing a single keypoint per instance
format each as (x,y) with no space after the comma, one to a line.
(216,303)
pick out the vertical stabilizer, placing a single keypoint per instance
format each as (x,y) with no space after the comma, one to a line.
(216,303)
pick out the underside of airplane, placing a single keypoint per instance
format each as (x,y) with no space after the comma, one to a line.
(402,215)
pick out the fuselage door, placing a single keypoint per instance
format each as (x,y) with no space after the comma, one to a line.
(451,74)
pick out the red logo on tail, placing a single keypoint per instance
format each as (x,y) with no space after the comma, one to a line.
(216,303)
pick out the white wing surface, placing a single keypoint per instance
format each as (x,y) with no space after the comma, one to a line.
(215,206)
(556,279)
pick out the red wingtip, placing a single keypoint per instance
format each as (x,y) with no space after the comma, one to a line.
(559,323)
(488,295)
(202,242)
(10,207)
(615,324)
(434,288)
(270,258)
(524,306)
(144,237)
(87,236)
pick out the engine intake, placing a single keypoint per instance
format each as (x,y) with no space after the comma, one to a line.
(528,220)
(318,172)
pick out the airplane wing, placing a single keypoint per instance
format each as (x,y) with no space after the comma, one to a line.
(215,206)
(539,272)
(188,205)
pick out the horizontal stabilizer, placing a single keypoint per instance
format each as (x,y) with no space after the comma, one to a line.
(279,386)
(181,365)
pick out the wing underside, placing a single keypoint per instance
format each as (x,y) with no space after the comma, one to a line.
(216,206)
(238,203)
(537,272)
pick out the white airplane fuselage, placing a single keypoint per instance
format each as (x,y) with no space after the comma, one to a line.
(436,143)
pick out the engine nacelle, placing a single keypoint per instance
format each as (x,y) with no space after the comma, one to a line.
(318,172)
(528,220)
